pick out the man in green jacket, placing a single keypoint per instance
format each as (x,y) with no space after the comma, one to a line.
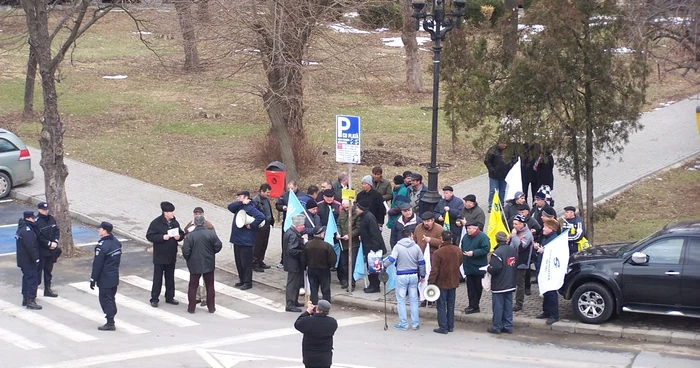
(475,249)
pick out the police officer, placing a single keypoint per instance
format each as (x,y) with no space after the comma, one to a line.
(105,272)
(48,246)
(28,258)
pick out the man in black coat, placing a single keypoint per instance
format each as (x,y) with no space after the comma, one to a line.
(281,206)
(28,258)
(105,272)
(262,234)
(374,200)
(199,250)
(318,329)
(293,246)
(48,246)
(328,206)
(319,257)
(164,232)
(371,239)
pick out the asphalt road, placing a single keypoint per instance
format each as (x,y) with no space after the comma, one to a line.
(11,211)
(251,330)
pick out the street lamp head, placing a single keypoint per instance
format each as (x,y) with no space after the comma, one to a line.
(418,5)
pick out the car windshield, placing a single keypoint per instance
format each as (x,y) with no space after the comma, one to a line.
(627,249)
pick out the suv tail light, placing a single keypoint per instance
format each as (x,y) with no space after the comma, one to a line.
(24,155)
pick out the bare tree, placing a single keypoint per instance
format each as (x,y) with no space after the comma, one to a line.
(29,82)
(77,19)
(414,81)
(189,35)
(510,31)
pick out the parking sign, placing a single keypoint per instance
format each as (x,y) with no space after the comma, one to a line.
(347,139)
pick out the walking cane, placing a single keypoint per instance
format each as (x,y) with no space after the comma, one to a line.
(384,277)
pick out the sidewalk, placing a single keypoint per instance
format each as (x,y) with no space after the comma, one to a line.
(669,136)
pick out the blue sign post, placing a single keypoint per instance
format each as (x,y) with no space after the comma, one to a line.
(347,139)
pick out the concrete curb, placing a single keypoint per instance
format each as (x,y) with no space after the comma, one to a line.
(78,216)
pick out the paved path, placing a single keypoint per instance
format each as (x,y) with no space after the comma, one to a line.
(95,195)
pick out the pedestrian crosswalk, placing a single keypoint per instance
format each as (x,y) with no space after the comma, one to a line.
(76,313)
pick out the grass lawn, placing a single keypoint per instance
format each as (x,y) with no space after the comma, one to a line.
(669,196)
(154,118)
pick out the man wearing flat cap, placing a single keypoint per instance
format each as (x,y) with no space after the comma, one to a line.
(452,205)
(319,257)
(164,232)
(48,246)
(475,248)
(318,329)
(471,213)
(105,272)
(573,225)
(428,234)
(199,212)
(328,206)
(243,239)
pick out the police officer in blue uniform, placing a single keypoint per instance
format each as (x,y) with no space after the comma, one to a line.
(105,272)
(48,246)
(28,258)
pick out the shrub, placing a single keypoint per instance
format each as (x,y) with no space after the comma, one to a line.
(474,12)
(306,154)
(382,14)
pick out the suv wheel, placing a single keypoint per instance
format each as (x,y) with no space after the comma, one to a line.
(593,303)
(5,185)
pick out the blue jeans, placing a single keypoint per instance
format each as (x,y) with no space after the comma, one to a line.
(550,304)
(499,184)
(446,309)
(502,304)
(407,283)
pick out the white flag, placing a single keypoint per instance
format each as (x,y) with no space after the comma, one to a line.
(555,262)
(424,284)
(514,182)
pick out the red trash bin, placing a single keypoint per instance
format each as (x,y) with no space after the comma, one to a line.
(275,174)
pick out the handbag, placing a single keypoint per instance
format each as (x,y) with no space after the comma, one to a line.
(583,244)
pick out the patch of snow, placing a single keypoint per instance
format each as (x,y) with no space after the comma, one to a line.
(351,15)
(396,41)
(196,185)
(344,28)
(143,33)
(666,104)
(380,30)
(674,20)
(247,51)
(114,77)
(529,30)
(623,50)
(310,63)
(381,54)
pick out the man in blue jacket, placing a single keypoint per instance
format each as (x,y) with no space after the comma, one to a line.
(243,239)
(28,258)
(105,272)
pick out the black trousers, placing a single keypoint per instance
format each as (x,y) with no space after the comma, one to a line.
(243,255)
(262,235)
(320,277)
(29,281)
(194,285)
(343,265)
(474,290)
(159,271)
(292,289)
(284,214)
(109,306)
(46,265)
(528,279)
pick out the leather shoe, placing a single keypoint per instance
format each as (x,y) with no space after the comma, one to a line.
(528,292)
(258,269)
(542,316)
(173,302)
(246,287)
(107,327)
(154,304)
(471,310)
(264,266)
(238,284)
(440,331)
(493,331)
(517,308)
(370,290)
(508,331)
(551,320)
(297,304)
(292,309)
(190,311)
(450,330)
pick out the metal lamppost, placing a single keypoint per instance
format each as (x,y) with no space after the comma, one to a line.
(437,21)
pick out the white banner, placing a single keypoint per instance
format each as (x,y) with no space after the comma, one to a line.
(514,182)
(555,261)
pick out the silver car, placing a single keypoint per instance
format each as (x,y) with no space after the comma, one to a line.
(15,162)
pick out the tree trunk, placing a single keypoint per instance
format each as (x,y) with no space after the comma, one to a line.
(276,109)
(510,35)
(414,81)
(577,173)
(203,11)
(189,36)
(29,83)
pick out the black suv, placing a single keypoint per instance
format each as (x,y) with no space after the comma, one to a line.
(659,274)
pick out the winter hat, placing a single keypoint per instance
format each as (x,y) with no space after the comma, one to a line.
(26,214)
(106,226)
(472,223)
(324,305)
(427,215)
(328,193)
(405,206)
(43,206)
(198,209)
(470,198)
(540,195)
(167,207)
(570,208)
(364,206)
(367,179)
(549,212)
(501,236)
(448,188)
(518,195)
(311,204)
(519,218)
(551,223)
(318,230)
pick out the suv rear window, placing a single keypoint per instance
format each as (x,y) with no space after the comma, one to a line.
(7,146)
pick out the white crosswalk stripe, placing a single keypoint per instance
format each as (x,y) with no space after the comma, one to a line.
(19,341)
(146,285)
(238,294)
(92,314)
(44,322)
(143,308)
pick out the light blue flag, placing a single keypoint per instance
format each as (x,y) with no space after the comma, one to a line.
(359,265)
(331,229)
(391,283)
(294,207)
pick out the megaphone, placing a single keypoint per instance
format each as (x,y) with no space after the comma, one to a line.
(243,219)
(432,293)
